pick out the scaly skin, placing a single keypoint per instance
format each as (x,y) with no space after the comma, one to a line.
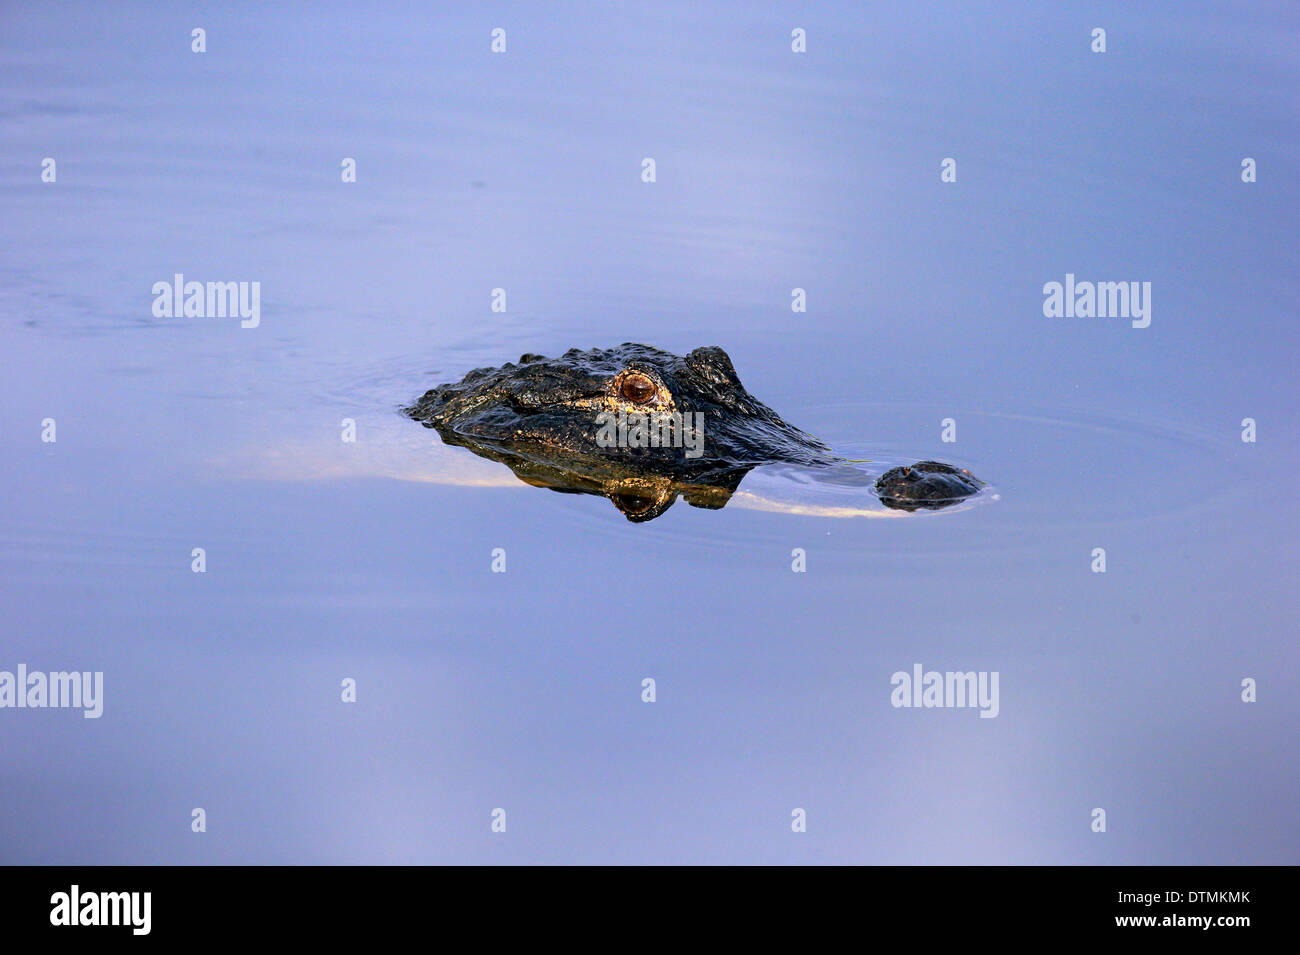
(539,417)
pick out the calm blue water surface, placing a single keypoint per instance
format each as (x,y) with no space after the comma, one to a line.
(522,690)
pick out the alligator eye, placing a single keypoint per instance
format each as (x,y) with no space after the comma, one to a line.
(637,389)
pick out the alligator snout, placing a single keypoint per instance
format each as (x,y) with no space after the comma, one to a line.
(926,484)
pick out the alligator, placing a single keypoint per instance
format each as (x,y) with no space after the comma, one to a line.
(642,427)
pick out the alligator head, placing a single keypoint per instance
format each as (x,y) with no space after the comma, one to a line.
(633,423)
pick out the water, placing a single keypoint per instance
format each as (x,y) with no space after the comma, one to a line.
(522,690)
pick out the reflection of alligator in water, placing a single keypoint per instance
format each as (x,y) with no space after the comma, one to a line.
(546,418)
